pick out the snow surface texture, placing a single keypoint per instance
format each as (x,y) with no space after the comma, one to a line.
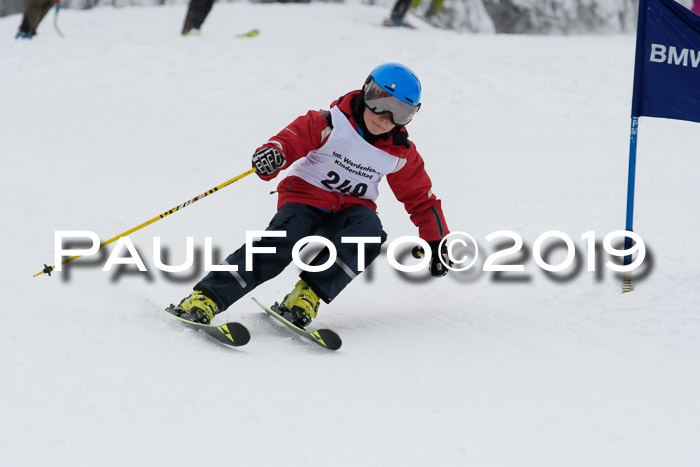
(124,119)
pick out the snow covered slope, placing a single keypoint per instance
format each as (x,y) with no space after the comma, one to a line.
(125,119)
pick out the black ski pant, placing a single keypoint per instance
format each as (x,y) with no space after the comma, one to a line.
(34,12)
(400,9)
(196,14)
(299,221)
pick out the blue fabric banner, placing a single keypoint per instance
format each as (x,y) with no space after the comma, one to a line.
(667,64)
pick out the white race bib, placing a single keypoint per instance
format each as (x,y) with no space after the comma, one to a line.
(346,164)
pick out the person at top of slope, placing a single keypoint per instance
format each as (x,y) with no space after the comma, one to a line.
(336,159)
(197,12)
(401,7)
(34,12)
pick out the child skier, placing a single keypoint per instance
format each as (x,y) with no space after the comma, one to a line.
(339,158)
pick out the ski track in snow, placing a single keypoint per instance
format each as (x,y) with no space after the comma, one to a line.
(125,119)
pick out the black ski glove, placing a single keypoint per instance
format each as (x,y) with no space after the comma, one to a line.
(267,161)
(437,269)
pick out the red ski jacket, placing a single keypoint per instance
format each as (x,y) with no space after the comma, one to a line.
(410,184)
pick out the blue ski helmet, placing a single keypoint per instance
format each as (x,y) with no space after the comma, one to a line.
(395,89)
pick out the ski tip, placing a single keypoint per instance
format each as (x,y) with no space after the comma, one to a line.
(240,333)
(328,339)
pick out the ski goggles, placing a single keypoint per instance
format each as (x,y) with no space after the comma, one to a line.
(379,101)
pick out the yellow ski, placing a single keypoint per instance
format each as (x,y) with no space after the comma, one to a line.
(323,337)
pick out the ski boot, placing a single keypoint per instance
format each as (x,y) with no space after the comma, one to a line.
(192,32)
(197,308)
(301,305)
(397,22)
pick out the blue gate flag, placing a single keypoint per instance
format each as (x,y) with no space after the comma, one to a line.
(667,64)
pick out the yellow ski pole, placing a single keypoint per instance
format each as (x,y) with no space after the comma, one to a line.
(48,269)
